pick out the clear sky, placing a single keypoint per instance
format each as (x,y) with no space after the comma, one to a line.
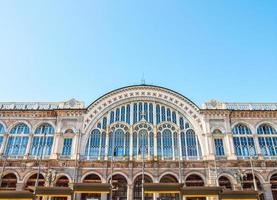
(216,49)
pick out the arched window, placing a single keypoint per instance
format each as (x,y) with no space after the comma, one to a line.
(273,182)
(119,143)
(169,179)
(62,181)
(138,188)
(43,140)
(2,131)
(248,182)
(18,140)
(120,185)
(167,143)
(128,114)
(193,147)
(194,180)
(143,141)
(91,178)
(243,141)
(9,181)
(267,137)
(32,181)
(146,111)
(158,114)
(224,182)
(151,113)
(93,145)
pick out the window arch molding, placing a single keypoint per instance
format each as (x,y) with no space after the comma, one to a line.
(59,175)
(265,123)
(250,126)
(218,131)
(8,171)
(93,173)
(256,174)
(147,139)
(38,125)
(4,127)
(168,174)
(231,178)
(202,176)
(31,173)
(129,181)
(145,173)
(18,123)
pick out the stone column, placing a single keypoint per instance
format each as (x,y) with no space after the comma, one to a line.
(267,191)
(19,186)
(130,192)
(57,145)
(230,146)
(28,148)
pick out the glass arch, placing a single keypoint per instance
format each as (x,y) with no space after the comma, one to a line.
(267,138)
(243,140)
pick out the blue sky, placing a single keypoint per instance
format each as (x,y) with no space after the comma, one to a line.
(57,50)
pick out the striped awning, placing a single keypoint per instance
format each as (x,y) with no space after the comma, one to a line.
(162,187)
(15,195)
(91,188)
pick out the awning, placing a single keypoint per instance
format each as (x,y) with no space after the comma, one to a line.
(162,188)
(201,191)
(243,195)
(53,191)
(15,195)
(91,188)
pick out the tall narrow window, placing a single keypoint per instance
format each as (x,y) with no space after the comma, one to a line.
(146,111)
(168,113)
(174,117)
(104,122)
(181,123)
(117,113)
(123,113)
(140,111)
(167,143)
(2,131)
(135,113)
(67,146)
(219,148)
(151,113)
(128,114)
(112,117)
(158,115)
(93,145)
(163,113)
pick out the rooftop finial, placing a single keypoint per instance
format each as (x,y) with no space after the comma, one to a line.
(143,80)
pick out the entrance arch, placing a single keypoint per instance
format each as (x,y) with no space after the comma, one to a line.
(138,187)
(224,182)
(91,178)
(194,180)
(168,178)
(119,185)
(9,182)
(62,181)
(273,182)
(32,181)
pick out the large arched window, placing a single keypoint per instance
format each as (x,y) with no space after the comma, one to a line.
(243,141)
(43,140)
(9,181)
(194,180)
(190,145)
(143,141)
(18,140)
(138,187)
(224,182)
(2,131)
(119,141)
(267,137)
(93,145)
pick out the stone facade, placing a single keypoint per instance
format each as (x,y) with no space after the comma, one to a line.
(214,120)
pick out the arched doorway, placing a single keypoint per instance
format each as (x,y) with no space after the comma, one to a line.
(91,178)
(169,179)
(248,184)
(31,182)
(194,180)
(119,184)
(225,183)
(273,182)
(9,182)
(138,188)
(62,181)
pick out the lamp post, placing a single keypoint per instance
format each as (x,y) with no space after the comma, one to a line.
(252,153)
(112,157)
